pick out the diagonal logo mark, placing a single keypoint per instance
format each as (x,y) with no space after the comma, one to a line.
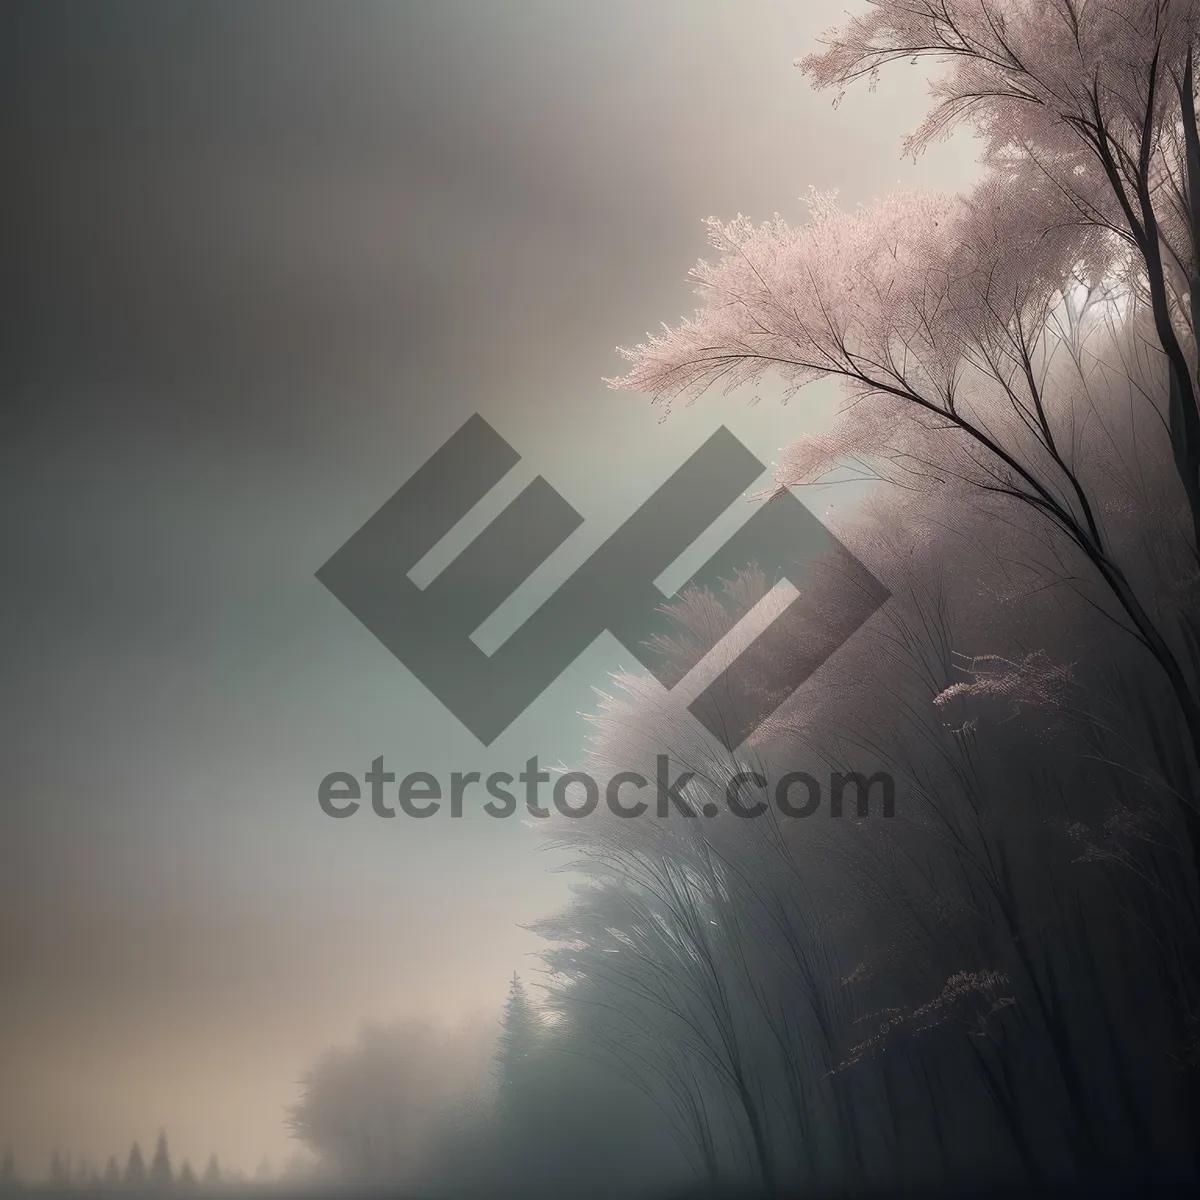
(429,629)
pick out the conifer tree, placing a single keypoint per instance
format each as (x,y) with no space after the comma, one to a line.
(212,1173)
(186,1178)
(519,1039)
(161,1175)
(135,1168)
(112,1172)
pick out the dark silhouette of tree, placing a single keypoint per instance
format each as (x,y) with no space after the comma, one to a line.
(520,1039)
(212,1173)
(112,1172)
(135,1167)
(186,1180)
(161,1175)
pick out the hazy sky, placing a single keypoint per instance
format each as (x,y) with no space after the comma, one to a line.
(259,262)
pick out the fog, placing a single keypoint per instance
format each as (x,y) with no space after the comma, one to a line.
(260,262)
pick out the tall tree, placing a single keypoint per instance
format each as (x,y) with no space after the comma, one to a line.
(212,1173)
(953,322)
(135,1167)
(1020,366)
(161,1175)
(520,1037)
(112,1172)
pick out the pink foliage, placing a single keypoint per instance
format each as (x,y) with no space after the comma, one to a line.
(942,315)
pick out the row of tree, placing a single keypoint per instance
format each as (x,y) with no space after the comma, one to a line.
(158,1175)
(1001,983)
(1004,982)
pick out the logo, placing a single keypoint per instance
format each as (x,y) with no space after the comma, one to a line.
(429,629)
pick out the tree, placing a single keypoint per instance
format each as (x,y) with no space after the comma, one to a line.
(520,1037)
(212,1173)
(1020,368)
(112,1172)
(369,1110)
(1096,100)
(8,1170)
(953,322)
(186,1180)
(161,1175)
(135,1168)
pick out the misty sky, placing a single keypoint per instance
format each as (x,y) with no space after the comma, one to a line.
(259,262)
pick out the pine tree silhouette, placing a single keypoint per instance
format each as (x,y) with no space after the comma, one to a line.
(519,1038)
(161,1175)
(112,1172)
(212,1173)
(135,1168)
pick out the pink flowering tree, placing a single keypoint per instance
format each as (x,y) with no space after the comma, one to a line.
(962,327)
